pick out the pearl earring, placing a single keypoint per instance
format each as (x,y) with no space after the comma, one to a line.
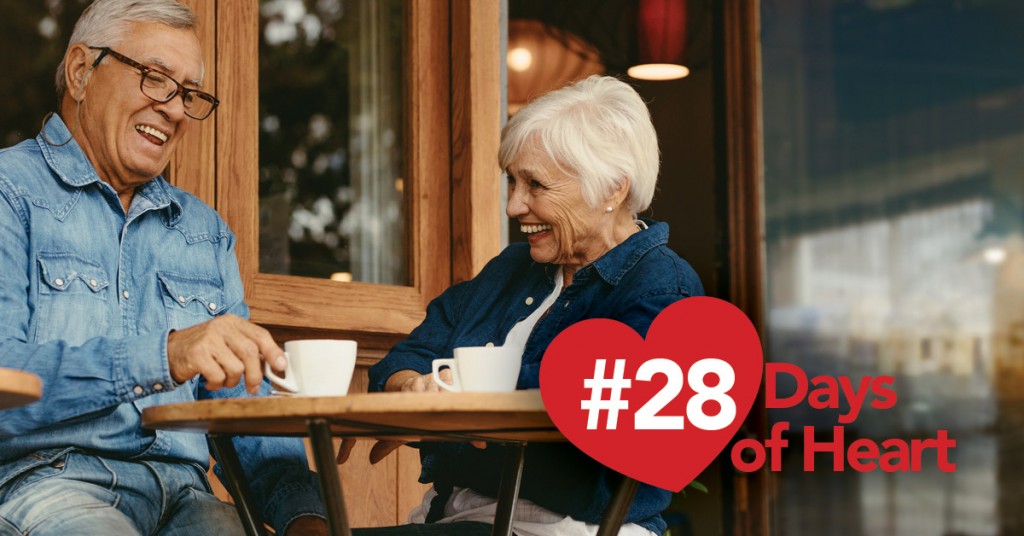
(608,209)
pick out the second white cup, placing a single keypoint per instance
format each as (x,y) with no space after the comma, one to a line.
(481,369)
(317,367)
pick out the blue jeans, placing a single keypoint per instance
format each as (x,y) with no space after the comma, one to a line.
(82,494)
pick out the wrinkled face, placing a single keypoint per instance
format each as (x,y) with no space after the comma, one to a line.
(128,137)
(561,227)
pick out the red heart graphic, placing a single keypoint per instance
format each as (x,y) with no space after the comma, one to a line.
(644,439)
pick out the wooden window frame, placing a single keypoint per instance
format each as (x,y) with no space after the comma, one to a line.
(742,135)
(453,115)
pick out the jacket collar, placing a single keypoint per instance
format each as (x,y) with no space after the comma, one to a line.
(70,164)
(616,263)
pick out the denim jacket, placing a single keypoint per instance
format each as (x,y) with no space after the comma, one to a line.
(88,295)
(632,283)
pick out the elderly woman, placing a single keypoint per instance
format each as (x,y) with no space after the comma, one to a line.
(581,161)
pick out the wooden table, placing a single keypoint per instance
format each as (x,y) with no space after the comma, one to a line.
(512,419)
(18,388)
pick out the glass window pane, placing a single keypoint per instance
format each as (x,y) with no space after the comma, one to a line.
(894,197)
(332,178)
(33,36)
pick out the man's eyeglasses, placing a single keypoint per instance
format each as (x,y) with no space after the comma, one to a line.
(162,88)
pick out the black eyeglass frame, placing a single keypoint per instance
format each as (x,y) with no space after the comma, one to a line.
(143,71)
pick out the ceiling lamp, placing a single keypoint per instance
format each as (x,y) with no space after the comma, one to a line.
(543,58)
(661,40)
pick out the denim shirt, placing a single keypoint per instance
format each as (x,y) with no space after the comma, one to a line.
(631,283)
(88,295)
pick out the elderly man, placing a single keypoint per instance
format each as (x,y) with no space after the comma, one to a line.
(123,292)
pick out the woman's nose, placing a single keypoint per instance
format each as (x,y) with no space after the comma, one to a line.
(516,207)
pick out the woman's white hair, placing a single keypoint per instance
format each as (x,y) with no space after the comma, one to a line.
(598,130)
(105,23)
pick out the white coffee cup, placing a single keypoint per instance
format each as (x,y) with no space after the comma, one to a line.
(316,367)
(481,369)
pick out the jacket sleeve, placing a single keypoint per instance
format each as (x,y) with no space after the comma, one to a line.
(77,380)
(427,341)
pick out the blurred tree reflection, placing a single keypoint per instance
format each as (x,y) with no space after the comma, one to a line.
(33,36)
(331,196)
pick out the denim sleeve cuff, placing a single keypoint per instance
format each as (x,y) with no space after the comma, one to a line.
(141,367)
(291,501)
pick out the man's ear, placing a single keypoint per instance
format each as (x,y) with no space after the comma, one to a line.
(76,71)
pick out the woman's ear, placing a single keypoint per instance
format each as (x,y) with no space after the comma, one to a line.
(76,71)
(620,192)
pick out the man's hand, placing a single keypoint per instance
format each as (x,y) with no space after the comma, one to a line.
(222,350)
(307,526)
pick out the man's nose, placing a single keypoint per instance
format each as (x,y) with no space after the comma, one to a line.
(173,110)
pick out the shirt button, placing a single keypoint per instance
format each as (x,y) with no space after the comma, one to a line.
(93,283)
(213,306)
(529,300)
(158,387)
(138,390)
(125,294)
(181,299)
(490,344)
(59,282)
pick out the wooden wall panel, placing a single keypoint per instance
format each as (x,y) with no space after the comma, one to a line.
(237,119)
(192,167)
(409,490)
(429,138)
(476,120)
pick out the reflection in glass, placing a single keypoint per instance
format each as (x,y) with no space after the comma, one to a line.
(33,36)
(332,200)
(894,135)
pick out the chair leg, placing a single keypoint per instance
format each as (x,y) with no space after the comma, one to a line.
(227,457)
(327,476)
(617,509)
(508,492)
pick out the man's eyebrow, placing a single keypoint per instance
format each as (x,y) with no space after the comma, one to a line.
(162,66)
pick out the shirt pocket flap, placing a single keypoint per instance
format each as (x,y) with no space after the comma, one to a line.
(61,271)
(192,292)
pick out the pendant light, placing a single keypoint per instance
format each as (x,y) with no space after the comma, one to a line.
(661,40)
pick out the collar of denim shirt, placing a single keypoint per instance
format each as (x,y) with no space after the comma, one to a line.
(74,169)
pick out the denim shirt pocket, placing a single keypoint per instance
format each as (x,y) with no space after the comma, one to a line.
(72,299)
(190,300)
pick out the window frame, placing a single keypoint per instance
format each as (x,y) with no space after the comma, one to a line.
(452,95)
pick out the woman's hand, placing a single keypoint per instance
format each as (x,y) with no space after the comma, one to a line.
(410,380)
(403,380)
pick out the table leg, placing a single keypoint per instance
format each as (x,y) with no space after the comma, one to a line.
(617,509)
(227,456)
(327,475)
(508,490)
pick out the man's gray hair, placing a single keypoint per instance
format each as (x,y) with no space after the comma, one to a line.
(105,23)
(599,131)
